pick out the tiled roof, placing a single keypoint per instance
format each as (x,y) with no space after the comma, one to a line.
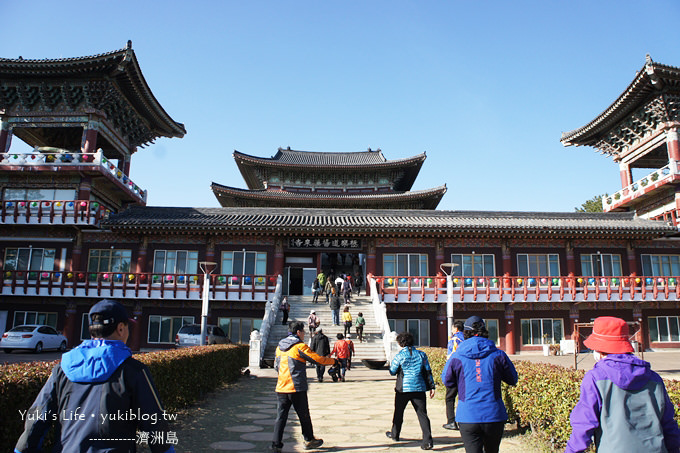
(307,158)
(119,66)
(227,196)
(375,221)
(646,84)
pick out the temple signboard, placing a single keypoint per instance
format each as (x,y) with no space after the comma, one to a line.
(324,243)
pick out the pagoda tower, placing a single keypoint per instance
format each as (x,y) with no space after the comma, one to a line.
(303,179)
(640,130)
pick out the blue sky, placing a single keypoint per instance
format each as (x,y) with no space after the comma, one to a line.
(485,88)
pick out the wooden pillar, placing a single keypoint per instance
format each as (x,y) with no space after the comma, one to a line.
(278,257)
(136,328)
(84,188)
(509,330)
(571,262)
(439,255)
(370,263)
(142,257)
(5,137)
(626,175)
(89,140)
(673,146)
(71,325)
(506,265)
(632,261)
(126,165)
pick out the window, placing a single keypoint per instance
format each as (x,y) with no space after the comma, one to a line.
(34,317)
(175,262)
(473,265)
(109,260)
(405,265)
(39,194)
(30,259)
(538,265)
(601,265)
(419,328)
(542,331)
(162,329)
(664,328)
(661,265)
(238,329)
(244,263)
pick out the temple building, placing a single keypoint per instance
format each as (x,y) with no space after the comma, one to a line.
(75,228)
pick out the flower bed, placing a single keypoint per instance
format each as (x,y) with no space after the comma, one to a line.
(182,377)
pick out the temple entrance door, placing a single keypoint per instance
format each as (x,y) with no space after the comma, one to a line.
(300,281)
(344,263)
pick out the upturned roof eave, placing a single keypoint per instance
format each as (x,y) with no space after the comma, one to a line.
(632,97)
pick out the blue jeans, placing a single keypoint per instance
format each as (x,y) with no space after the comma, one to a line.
(336,317)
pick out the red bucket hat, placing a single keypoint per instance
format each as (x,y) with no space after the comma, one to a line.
(610,335)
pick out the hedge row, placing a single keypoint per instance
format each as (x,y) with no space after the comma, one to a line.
(543,397)
(182,376)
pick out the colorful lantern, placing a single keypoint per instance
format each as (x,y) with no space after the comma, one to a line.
(649,281)
(429,281)
(389,281)
(248,280)
(83,204)
(615,281)
(131,277)
(221,279)
(234,280)
(45,274)
(168,278)
(8,274)
(555,281)
(532,281)
(671,281)
(468,281)
(519,281)
(272,280)
(119,276)
(58,203)
(415,280)
(105,276)
(603,281)
(591,281)
(637,280)
(580,280)
(69,275)
(494,281)
(34,204)
(403,280)
(480,281)
(180,279)
(544,281)
(455,281)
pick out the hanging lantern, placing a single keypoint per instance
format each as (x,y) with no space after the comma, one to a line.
(34,204)
(248,280)
(45,275)
(389,281)
(671,281)
(8,274)
(429,281)
(615,281)
(403,280)
(106,276)
(649,281)
(637,280)
(555,281)
(234,280)
(544,281)
(494,281)
(415,280)
(69,275)
(272,280)
(131,277)
(519,281)
(580,280)
(455,281)
(532,281)
(221,279)
(591,281)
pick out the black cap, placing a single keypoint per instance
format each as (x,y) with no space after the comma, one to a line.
(472,320)
(112,312)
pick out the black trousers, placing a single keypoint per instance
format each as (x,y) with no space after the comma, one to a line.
(481,437)
(320,370)
(285,317)
(419,402)
(299,402)
(451,394)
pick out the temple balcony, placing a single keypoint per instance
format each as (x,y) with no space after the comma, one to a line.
(95,165)
(529,289)
(394,289)
(52,212)
(147,286)
(653,182)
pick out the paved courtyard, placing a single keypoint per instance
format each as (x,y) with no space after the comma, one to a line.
(351,416)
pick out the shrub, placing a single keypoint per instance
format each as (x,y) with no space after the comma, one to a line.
(181,376)
(437,359)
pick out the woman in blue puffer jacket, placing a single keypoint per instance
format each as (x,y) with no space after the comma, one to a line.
(414,378)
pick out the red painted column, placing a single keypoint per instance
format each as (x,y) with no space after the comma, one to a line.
(673,144)
(85,188)
(439,255)
(626,175)
(370,263)
(632,261)
(89,141)
(136,328)
(278,258)
(71,324)
(76,258)
(571,262)
(126,166)
(509,330)
(141,260)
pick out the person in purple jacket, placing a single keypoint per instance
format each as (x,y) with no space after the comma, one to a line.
(477,368)
(624,405)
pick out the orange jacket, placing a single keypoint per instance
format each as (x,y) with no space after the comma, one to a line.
(341,349)
(291,355)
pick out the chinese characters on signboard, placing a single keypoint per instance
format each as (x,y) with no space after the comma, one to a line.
(324,243)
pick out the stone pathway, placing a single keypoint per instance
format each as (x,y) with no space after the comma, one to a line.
(350,417)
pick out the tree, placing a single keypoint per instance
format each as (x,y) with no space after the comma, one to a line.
(592,205)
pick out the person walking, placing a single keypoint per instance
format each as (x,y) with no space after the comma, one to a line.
(335,307)
(350,345)
(313,322)
(451,392)
(322,280)
(320,345)
(358,282)
(291,385)
(95,380)
(328,288)
(477,368)
(342,352)
(360,323)
(339,280)
(624,405)
(347,289)
(284,307)
(316,289)
(414,378)
(347,320)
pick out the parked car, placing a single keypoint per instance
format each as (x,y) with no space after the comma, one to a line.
(190,335)
(33,336)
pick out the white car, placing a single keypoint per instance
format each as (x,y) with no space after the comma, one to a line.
(33,336)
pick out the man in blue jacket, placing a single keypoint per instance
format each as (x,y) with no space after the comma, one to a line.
(477,368)
(624,405)
(99,395)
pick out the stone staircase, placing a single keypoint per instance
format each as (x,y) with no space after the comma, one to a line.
(300,306)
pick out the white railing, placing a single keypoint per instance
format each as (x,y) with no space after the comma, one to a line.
(64,158)
(380,311)
(258,340)
(660,176)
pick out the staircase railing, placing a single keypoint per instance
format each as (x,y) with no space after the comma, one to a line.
(258,340)
(389,337)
